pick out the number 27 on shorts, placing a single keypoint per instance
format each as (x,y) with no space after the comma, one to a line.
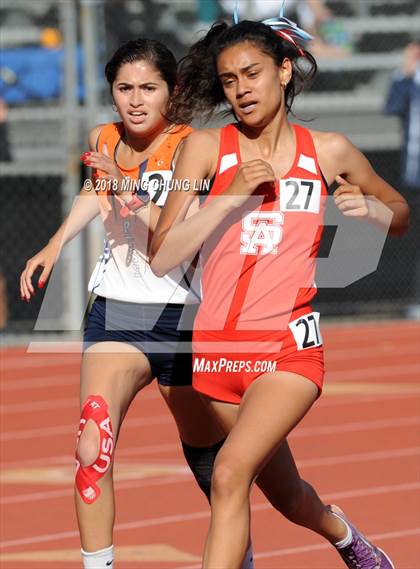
(306,332)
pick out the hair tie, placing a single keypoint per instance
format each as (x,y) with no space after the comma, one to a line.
(289,31)
(283,27)
(289,38)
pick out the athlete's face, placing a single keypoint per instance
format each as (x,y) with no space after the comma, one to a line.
(141,97)
(252,83)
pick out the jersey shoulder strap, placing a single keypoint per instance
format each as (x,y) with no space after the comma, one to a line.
(306,156)
(229,153)
(110,136)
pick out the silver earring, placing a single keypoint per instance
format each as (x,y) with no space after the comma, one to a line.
(114,107)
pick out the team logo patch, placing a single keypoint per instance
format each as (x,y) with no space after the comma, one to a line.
(262,232)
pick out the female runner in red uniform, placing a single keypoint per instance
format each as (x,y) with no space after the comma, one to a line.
(259,234)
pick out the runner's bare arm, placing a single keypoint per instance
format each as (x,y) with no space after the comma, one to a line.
(190,165)
(84,210)
(341,161)
(178,238)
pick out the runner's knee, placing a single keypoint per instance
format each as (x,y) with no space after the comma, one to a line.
(87,450)
(95,447)
(229,478)
(201,461)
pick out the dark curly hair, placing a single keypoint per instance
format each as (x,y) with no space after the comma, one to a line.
(149,50)
(199,90)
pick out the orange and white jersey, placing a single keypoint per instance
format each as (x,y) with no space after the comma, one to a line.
(123,271)
(258,267)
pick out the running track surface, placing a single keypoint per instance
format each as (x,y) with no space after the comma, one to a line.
(358,446)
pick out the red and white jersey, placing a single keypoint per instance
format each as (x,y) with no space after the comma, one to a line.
(259,265)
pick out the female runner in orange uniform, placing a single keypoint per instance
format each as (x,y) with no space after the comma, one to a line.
(132,333)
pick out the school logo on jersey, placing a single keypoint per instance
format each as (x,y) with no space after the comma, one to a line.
(262,232)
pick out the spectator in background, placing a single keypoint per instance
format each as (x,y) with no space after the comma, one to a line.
(404,101)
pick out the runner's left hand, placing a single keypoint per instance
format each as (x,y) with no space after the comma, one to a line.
(350,199)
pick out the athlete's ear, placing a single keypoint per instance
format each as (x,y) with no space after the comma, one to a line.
(285,72)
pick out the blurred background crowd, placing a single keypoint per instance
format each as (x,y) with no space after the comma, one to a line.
(52,90)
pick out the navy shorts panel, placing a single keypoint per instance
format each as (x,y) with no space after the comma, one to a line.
(152,329)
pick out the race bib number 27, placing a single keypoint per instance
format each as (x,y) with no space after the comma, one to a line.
(306,331)
(300,195)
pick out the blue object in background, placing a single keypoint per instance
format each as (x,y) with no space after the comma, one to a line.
(35,73)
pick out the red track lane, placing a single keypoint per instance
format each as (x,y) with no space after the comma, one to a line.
(358,446)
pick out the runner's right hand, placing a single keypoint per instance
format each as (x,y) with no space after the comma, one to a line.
(45,258)
(249,176)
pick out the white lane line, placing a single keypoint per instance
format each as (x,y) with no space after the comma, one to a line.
(67,459)
(345,399)
(351,427)
(15,408)
(321,546)
(39,383)
(68,429)
(166,419)
(395,371)
(36,496)
(180,478)
(151,394)
(183,477)
(373,537)
(178,518)
(358,457)
(387,349)
(26,361)
(390,325)
(69,402)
